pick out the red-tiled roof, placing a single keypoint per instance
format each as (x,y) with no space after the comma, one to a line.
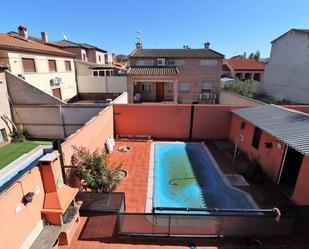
(8,42)
(175,53)
(245,64)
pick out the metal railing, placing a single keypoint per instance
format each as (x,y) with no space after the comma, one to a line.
(218,223)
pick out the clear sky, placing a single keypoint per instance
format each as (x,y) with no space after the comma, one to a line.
(231,26)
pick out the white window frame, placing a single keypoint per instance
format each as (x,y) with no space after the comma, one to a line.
(184,87)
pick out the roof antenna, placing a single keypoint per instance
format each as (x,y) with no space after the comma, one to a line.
(138,41)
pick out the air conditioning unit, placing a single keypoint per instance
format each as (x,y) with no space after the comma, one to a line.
(56,81)
(161,62)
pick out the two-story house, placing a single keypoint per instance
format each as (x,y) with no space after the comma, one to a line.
(46,67)
(184,75)
(286,74)
(83,51)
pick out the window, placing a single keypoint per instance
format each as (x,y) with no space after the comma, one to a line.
(52,66)
(3,136)
(95,73)
(144,63)
(257,77)
(84,57)
(108,73)
(208,63)
(101,73)
(28,65)
(67,66)
(146,87)
(206,86)
(99,58)
(184,87)
(256,138)
(177,63)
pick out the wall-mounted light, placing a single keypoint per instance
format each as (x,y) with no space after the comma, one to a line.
(242,125)
(28,198)
(268,145)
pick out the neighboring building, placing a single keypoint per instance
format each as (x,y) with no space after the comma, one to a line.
(286,74)
(45,67)
(180,75)
(95,80)
(84,52)
(243,69)
(4,106)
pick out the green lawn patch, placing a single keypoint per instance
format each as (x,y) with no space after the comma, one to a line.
(12,151)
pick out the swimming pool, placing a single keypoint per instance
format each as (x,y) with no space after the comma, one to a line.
(187,176)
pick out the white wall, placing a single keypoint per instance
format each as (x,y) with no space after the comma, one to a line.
(287,73)
(4,102)
(41,78)
(230,98)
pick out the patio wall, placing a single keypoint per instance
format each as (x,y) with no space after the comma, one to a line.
(173,121)
(212,121)
(156,120)
(92,135)
(270,158)
(17,227)
(230,98)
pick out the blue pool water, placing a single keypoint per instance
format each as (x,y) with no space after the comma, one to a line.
(185,176)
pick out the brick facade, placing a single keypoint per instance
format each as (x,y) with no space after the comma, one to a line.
(191,71)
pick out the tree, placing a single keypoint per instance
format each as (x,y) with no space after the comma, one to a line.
(245,88)
(257,55)
(92,170)
(251,56)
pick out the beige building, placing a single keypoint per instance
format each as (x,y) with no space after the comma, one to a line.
(4,106)
(179,75)
(48,68)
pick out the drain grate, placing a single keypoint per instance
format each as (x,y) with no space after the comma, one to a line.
(237,180)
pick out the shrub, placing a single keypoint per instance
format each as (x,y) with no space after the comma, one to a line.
(245,88)
(92,170)
(18,136)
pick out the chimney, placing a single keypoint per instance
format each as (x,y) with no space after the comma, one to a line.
(22,31)
(206,45)
(44,36)
(138,45)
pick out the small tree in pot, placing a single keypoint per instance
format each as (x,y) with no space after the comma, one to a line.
(92,170)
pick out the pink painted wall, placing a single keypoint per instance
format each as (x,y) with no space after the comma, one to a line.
(173,121)
(270,159)
(212,121)
(16,227)
(301,190)
(92,135)
(156,120)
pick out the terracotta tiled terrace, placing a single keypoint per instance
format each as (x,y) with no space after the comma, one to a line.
(100,231)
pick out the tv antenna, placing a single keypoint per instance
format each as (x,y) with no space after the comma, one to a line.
(138,36)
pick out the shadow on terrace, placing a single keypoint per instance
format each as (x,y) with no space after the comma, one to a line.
(214,125)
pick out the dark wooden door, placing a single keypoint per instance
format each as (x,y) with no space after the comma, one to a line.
(57,93)
(159,91)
